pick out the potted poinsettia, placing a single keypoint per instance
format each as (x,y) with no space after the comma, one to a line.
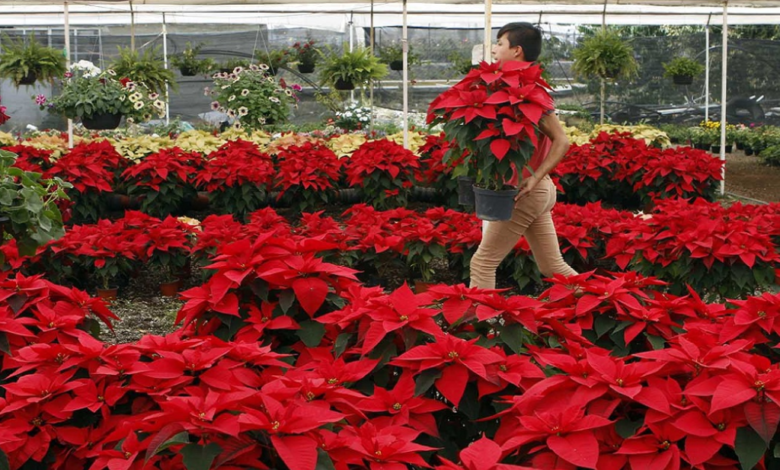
(494,113)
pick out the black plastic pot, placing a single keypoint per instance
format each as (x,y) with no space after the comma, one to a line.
(342,85)
(682,79)
(187,72)
(701,146)
(465,190)
(99,122)
(397,65)
(748,151)
(306,68)
(348,195)
(494,205)
(28,79)
(424,194)
(729,148)
(715,149)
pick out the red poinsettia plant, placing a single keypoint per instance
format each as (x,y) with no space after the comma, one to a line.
(307,174)
(384,171)
(494,113)
(237,176)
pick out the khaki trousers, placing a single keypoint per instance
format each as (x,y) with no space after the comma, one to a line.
(531,218)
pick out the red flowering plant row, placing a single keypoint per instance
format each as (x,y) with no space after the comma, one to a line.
(715,250)
(384,171)
(440,172)
(29,158)
(286,361)
(684,244)
(93,169)
(625,172)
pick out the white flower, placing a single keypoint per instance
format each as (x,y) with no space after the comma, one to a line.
(232,98)
(159,104)
(122,97)
(231,113)
(254,68)
(130,120)
(206,91)
(244,92)
(261,120)
(133,98)
(274,99)
(238,70)
(111,72)
(225,87)
(138,105)
(153,96)
(348,114)
(288,92)
(237,126)
(215,105)
(147,117)
(243,111)
(263,67)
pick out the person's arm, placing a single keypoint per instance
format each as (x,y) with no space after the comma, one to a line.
(551,127)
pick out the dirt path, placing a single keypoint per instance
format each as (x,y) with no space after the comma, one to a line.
(747,176)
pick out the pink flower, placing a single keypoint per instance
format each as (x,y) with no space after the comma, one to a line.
(68,74)
(296,87)
(40,100)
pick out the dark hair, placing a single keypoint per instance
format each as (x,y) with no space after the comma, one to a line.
(525,35)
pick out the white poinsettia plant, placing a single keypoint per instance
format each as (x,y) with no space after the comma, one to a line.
(353,117)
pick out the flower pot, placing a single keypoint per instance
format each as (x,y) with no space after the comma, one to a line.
(715,149)
(729,148)
(397,65)
(423,194)
(465,190)
(421,286)
(739,145)
(494,205)
(343,85)
(306,68)
(107,294)
(117,201)
(28,79)
(171,288)
(748,151)
(103,121)
(682,79)
(187,72)
(348,195)
(701,146)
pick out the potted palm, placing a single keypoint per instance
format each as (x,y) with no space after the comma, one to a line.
(393,56)
(351,69)
(306,55)
(25,62)
(682,70)
(604,55)
(147,68)
(188,63)
(100,99)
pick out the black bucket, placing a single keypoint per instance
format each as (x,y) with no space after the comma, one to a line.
(465,190)
(494,205)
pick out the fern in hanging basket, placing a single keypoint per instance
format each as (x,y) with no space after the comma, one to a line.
(605,55)
(682,67)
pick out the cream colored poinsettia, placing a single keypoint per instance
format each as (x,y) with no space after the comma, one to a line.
(54,142)
(290,139)
(136,148)
(258,137)
(650,134)
(198,141)
(6,139)
(345,144)
(416,140)
(576,136)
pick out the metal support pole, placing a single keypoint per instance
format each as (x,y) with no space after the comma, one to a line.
(132,27)
(67,64)
(707,70)
(371,82)
(405,48)
(724,96)
(165,59)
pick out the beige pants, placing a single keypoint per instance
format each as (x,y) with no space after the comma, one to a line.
(531,218)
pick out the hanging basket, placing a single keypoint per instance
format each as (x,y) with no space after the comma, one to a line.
(28,79)
(187,72)
(343,85)
(306,68)
(494,205)
(397,65)
(682,79)
(99,122)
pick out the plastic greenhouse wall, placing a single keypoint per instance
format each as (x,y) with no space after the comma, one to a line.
(753,67)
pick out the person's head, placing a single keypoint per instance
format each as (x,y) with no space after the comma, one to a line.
(518,41)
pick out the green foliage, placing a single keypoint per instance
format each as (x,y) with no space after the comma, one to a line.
(395,52)
(239,201)
(188,60)
(605,55)
(230,64)
(90,92)
(459,64)
(30,204)
(771,155)
(276,59)
(357,67)
(21,58)
(682,66)
(147,68)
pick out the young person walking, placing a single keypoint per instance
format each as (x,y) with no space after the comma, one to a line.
(531,216)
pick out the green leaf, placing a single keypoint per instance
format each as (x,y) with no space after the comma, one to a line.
(513,335)
(425,381)
(749,447)
(199,457)
(342,341)
(286,299)
(627,428)
(602,324)
(469,403)
(311,333)
(4,345)
(4,465)
(657,341)
(154,449)
(323,460)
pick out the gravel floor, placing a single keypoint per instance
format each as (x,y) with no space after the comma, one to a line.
(747,176)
